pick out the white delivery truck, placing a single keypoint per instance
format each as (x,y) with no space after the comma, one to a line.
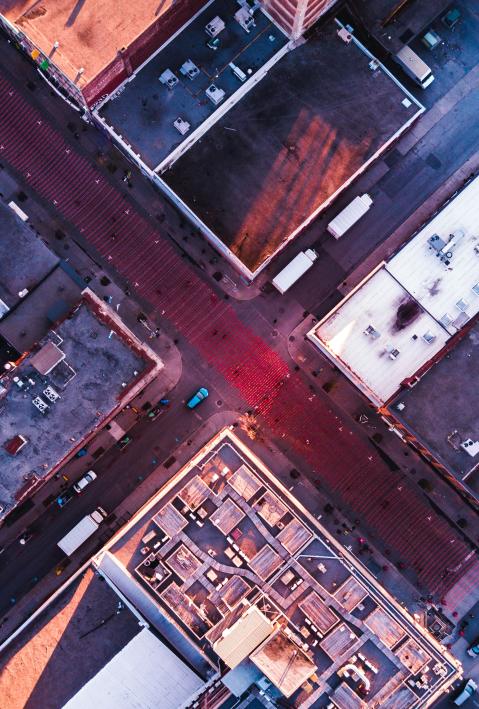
(414,67)
(82,531)
(294,270)
(349,216)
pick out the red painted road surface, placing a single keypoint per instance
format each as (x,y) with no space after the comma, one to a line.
(391,508)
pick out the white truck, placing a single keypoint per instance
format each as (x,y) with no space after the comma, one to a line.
(82,531)
(414,67)
(294,270)
(349,216)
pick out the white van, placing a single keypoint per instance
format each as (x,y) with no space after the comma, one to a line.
(414,67)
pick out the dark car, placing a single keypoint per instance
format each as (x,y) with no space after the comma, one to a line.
(123,442)
(65,498)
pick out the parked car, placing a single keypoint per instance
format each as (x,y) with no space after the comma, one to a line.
(469,689)
(451,18)
(65,498)
(84,481)
(124,442)
(473,650)
(197,398)
(431,39)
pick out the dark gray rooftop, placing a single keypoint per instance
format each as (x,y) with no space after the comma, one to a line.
(25,259)
(69,643)
(89,382)
(30,320)
(408,20)
(146,109)
(295,139)
(444,401)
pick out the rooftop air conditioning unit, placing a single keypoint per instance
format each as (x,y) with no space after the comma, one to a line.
(214,27)
(181,126)
(215,94)
(41,405)
(471,447)
(345,35)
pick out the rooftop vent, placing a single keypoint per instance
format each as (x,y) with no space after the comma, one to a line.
(214,27)
(168,78)
(215,94)
(462,305)
(475,288)
(446,320)
(371,331)
(40,404)
(181,126)
(428,337)
(245,19)
(471,447)
(345,35)
(189,69)
(51,394)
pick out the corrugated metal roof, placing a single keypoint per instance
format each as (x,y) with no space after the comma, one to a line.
(243,637)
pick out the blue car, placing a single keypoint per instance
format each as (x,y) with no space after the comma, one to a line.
(65,498)
(197,398)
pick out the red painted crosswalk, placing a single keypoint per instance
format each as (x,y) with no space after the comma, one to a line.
(392,509)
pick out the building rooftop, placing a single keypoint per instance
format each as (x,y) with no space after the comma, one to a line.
(406,311)
(56,406)
(89,647)
(441,409)
(66,645)
(25,261)
(379,336)
(90,35)
(443,273)
(280,155)
(31,318)
(395,24)
(145,112)
(238,569)
(284,663)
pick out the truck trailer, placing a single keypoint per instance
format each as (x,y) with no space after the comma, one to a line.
(349,216)
(82,531)
(294,270)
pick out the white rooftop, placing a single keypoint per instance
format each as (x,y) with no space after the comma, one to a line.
(145,674)
(445,283)
(379,336)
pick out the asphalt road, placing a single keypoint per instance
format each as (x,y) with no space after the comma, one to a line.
(118,474)
(406,184)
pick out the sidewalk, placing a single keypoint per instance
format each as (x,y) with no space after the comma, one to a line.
(320,371)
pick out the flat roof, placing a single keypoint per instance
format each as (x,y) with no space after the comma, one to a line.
(281,154)
(145,112)
(200,581)
(90,35)
(376,336)
(31,318)
(145,673)
(441,410)
(86,386)
(444,284)
(25,260)
(70,641)
(409,19)
(284,663)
